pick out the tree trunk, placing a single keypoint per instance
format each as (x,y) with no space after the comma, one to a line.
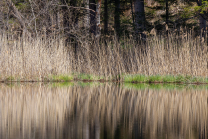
(18,15)
(105,16)
(139,18)
(132,13)
(56,19)
(117,18)
(202,21)
(75,17)
(167,16)
(98,26)
(65,17)
(95,17)
(1,19)
(87,14)
(75,14)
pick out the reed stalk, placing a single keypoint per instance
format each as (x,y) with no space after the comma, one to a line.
(35,59)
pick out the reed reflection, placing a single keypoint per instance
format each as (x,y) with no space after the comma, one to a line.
(105,111)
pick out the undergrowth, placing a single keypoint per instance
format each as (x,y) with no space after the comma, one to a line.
(37,59)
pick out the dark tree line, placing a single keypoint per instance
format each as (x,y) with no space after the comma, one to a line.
(76,18)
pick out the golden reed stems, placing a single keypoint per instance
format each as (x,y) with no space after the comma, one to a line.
(36,59)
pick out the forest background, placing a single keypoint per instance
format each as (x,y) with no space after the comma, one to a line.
(102,17)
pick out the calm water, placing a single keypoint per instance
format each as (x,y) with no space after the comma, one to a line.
(107,111)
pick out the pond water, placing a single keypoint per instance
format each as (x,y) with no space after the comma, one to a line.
(102,111)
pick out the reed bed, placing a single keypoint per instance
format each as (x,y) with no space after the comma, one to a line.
(41,111)
(38,59)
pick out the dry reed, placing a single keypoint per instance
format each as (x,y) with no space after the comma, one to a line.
(40,111)
(36,59)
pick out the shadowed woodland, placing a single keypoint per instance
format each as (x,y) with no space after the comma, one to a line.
(74,19)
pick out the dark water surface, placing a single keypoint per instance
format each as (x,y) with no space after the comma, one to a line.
(107,111)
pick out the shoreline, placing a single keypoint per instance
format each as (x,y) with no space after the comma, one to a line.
(125,78)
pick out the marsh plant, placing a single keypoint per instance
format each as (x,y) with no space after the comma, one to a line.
(38,59)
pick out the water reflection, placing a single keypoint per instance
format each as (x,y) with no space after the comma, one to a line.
(102,111)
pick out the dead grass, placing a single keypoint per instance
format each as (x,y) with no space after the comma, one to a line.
(37,59)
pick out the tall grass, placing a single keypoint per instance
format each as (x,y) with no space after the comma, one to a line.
(37,58)
(37,110)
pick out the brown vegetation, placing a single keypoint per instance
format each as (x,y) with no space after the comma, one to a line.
(36,59)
